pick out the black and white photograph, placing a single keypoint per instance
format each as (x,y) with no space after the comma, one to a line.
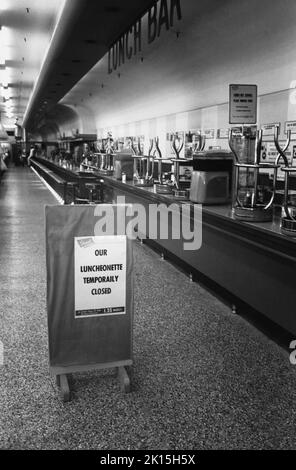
(148,229)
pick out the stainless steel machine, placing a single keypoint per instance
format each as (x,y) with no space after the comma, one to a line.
(183,167)
(180,190)
(163,184)
(211,177)
(123,164)
(106,157)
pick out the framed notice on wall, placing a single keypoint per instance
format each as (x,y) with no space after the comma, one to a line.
(242,104)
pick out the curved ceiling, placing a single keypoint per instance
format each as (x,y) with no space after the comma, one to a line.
(47,46)
(84,33)
(26,27)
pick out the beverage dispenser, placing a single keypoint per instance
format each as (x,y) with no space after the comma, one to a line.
(253,195)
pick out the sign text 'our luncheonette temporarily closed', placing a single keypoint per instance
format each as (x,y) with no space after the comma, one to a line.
(100,276)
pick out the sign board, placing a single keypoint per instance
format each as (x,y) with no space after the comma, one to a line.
(290,125)
(269,155)
(242,104)
(100,276)
(209,133)
(268,129)
(89,290)
(223,133)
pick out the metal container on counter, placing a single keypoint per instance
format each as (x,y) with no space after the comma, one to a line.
(123,163)
(211,177)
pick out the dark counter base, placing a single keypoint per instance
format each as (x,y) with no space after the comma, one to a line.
(268,327)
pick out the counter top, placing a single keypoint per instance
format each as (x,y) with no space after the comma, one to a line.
(250,264)
(266,234)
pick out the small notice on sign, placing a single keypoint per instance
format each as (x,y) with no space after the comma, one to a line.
(242,104)
(100,276)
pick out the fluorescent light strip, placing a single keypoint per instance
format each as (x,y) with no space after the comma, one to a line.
(54,193)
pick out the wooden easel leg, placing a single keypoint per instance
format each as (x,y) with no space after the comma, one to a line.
(125,383)
(62,383)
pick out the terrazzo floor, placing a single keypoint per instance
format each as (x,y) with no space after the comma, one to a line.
(202,378)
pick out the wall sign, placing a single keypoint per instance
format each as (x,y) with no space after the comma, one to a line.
(242,104)
(290,125)
(222,133)
(161,16)
(100,276)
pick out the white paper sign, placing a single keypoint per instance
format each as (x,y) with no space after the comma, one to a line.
(100,276)
(242,104)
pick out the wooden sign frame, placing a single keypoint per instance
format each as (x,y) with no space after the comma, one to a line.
(78,345)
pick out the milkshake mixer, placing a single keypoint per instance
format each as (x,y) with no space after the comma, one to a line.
(252,199)
(143,166)
(163,185)
(106,166)
(199,145)
(177,146)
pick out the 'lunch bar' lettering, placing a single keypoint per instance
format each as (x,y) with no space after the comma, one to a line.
(162,14)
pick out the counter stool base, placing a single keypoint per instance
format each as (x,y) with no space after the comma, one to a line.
(288,227)
(257,214)
(62,379)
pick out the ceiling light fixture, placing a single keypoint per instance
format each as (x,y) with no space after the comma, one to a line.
(6,93)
